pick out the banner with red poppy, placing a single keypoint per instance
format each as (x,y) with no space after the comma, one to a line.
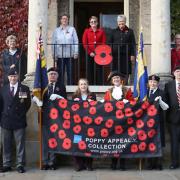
(109,129)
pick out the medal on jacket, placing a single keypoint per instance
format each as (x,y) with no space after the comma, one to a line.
(22,96)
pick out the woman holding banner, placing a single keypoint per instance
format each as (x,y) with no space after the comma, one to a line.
(83,94)
(117,92)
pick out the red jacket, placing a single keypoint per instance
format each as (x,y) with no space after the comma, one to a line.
(175,58)
(93,39)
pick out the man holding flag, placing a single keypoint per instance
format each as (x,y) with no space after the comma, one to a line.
(45,88)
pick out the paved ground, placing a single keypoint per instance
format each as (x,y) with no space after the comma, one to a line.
(68,173)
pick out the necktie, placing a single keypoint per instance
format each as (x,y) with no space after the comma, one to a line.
(151,93)
(178,93)
(12,91)
(50,89)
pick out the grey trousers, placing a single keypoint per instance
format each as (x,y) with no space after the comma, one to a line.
(7,143)
(48,158)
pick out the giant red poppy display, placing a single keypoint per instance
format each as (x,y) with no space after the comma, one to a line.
(109,129)
(103,55)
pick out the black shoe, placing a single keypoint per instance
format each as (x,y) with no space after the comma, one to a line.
(52,167)
(172,166)
(90,168)
(113,166)
(20,169)
(5,169)
(45,167)
(79,168)
(160,167)
(122,168)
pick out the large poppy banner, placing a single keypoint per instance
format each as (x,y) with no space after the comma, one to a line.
(109,129)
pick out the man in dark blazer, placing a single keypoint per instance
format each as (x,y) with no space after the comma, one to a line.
(172,92)
(52,91)
(15,101)
(153,93)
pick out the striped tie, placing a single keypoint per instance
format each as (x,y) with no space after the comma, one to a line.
(178,93)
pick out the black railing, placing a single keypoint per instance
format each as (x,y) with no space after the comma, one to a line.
(85,67)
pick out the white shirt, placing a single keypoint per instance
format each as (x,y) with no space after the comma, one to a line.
(12,52)
(154,90)
(117,92)
(15,87)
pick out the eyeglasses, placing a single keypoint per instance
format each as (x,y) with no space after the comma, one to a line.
(93,22)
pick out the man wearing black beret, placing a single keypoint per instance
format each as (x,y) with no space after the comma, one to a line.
(172,92)
(16,101)
(53,91)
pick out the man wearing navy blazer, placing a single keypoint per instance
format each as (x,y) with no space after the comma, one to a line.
(54,90)
(15,102)
(172,92)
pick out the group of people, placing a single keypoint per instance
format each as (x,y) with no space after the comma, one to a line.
(65,48)
(15,99)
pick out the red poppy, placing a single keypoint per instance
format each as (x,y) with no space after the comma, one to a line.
(92,110)
(134,148)
(77,118)
(151,133)
(142,135)
(109,123)
(53,128)
(116,155)
(108,107)
(152,111)
(133,102)
(90,132)
(52,143)
(61,134)
(131,131)
(75,107)
(87,120)
(98,120)
(103,55)
(104,133)
(152,147)
(119,114)
(130,121)
(66,124)
(120,104)
(118,129)
(63,103)
(145,105)
(151,123)
(81,145)
(139,113)
(128,112)
(77,129)
(85,104)
(66,114)
(53,113)
(139,123)
(93,103)
(66,144)
(142,146)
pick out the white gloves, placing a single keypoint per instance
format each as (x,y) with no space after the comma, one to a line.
(38,102)
(55,96)
(102,100)
(125,101)
(162,104)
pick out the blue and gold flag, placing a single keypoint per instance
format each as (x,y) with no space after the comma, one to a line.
(141,75)
(41,80)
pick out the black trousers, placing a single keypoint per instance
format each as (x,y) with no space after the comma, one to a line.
(174,137)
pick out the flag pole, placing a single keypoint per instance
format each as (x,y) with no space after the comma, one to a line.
(40,111)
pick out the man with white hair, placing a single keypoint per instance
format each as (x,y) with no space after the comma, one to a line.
(123,41)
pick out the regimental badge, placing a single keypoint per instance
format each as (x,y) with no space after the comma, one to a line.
(57,88)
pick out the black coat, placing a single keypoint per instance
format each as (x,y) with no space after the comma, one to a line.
(14,108)
(20,61)
(157,93)
(123,46)
(173,113)
(60,90)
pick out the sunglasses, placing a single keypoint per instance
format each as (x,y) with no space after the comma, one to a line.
(93,22)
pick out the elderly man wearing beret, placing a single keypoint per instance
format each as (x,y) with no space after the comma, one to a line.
(172,92)
(53,91)
(123,46)
(15,101)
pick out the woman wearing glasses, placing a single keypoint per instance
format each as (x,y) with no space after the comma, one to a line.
(92,37)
